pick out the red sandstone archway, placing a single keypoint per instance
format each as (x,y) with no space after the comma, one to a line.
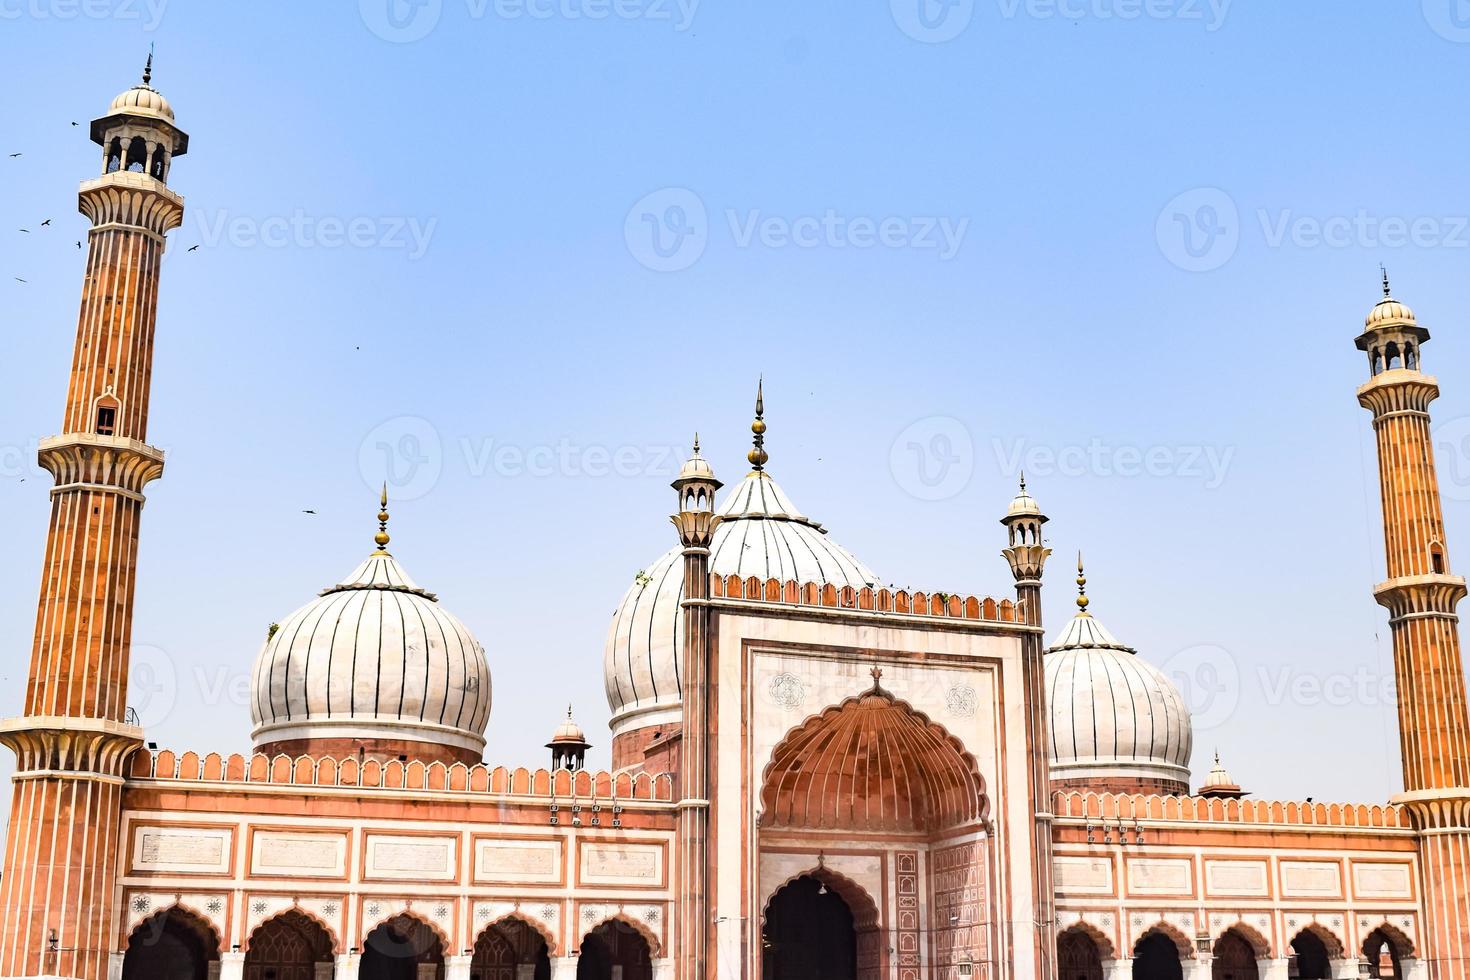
(174,944)
(821,926)
(1235,957)
(508,945)
(399,947)
(1079,956)
(871,763)
(615,949)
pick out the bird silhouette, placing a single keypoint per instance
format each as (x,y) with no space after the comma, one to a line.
(194,248)
(308,512)
(79,244)
(14,155)
(25,231)
(76,124)
(46,222)
(19,279)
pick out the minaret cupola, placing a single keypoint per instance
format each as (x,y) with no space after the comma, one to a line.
(138,134)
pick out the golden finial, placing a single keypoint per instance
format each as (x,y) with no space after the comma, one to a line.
(148,68)
(1082,599)
(1385,280)
(758,456)
(382,536)
(1023,481)
(696,443)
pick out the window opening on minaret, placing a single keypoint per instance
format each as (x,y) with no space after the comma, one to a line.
(137,155)
(106,419)
(1436,558)
(114,155)
(1411,359)
(160,155)
(1377,361)
(1394,361)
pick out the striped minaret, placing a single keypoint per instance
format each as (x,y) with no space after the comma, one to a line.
(57,896)
(1421,595)
(696,522)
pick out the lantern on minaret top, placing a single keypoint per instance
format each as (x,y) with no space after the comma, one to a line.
(696,486)
(138,134)
(1026,551)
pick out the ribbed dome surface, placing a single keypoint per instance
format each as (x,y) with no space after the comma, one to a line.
(761,533)
(1113,714)
(142,100)
(374,657)
(1389,310)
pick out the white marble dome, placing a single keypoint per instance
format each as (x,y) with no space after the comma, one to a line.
(142,100)
(760,533)
(1114,716)
(374,657)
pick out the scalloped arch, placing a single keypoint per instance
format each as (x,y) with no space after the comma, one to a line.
(1336,948)
(1252,937)
(1105,948)
(872,762)
(655,947)
(396,915)
(305,913)
(1181,942)
(193,919)
(535,925)
(864,910)
(1402,945)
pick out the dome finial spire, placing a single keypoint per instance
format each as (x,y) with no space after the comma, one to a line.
(1384,270)
(758,455)
(1082,600)
(148,68)
(381,538)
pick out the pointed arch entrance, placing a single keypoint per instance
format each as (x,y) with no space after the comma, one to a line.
(403,948)
(174,944)
(287,947)
(615,951)
(1157,956)
(821,926)
(1235,958)
(1078,956)
(510,950)
(1384,951)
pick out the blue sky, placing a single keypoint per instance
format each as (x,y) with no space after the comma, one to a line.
(513,254)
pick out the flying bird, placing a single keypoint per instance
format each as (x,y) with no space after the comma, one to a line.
(25,231)
(75,123)
(79,244)
(19,279)
(194,248)
(14,155)
(46,222)
(308,512)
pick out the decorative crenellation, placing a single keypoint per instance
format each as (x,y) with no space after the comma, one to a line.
(88,459)
(132,200)
(943,605)
(414,775)
(72,745)
(1110,806)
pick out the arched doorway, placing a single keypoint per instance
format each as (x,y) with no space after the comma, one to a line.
(1156,957)
(170,945)
(615,950)
(510,950)
(1078,957)
(403,948)
(1235,959)
(809,934)
(1384,954)
(1313,961)
(288,947)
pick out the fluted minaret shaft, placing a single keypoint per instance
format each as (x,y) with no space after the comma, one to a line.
(58,914)
(1421,596)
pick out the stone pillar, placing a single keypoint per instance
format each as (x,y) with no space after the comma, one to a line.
(1345,969)
(231,966)
(1414,969)
(1199,968)
(1120,969)
(458,968)
(563,968)
(1270,969)
(115,965)
(347,965)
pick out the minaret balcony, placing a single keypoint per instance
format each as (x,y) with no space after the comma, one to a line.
(132,199)
(1401,391)
(87,459)
(1420,596)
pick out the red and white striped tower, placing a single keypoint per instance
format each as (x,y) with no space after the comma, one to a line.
(57,897)
(696,522)
(1421,596)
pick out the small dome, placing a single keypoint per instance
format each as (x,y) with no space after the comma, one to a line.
(1219,776)
(1114,717)
(142,100)
(1024,505)
(374,658)
(696,467)
(1389,312)
(568,733)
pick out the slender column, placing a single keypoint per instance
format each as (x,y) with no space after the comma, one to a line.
(231,966)
(58,894)
(695,521)
(1421,597)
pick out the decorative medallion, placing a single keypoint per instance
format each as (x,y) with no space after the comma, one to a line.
(787,691)
(374,909)
(548,912)
(961,701)
(215,906)
(329,909)
(141,904)
(259,908)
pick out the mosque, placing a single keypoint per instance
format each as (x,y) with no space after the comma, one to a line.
(814,777)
